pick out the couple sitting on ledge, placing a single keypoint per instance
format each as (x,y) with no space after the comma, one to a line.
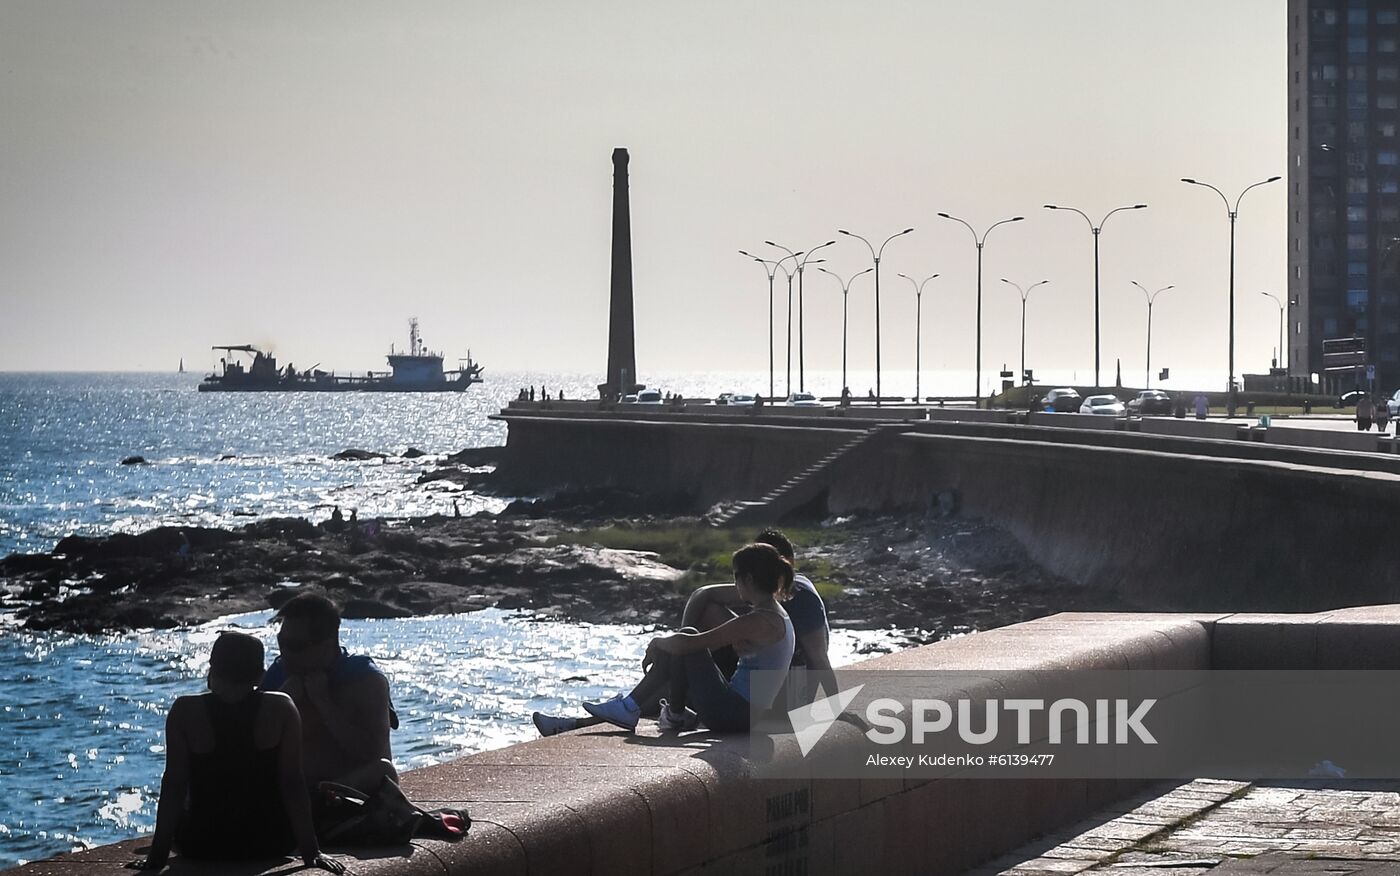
(768,620)
(243,759)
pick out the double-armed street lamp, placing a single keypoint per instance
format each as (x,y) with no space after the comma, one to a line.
(1278,360)
(1025,294)
(1151,299)
(801,333)
(981,242)
(845,296)
(875,254)
(918,327)
(1096,229)
(1233,212)
(771,268)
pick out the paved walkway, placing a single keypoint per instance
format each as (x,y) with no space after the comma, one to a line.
(1222,828)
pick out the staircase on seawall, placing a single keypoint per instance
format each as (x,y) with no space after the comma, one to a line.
(793,493)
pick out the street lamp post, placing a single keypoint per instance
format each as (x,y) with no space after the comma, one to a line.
(1025,294)
(1233,212)
(801,332)
(980,241)
(845,295)
(1279,358)
(1151,299)
(771,268)
(1096,229)
(875,254)
(918,328)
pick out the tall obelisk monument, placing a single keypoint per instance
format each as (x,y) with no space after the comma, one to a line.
(622,342)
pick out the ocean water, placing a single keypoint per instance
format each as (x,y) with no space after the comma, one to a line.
(82,717)
(82,725)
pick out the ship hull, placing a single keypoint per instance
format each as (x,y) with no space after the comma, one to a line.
(333,385)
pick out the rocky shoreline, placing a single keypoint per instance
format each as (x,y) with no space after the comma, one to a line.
(933,575)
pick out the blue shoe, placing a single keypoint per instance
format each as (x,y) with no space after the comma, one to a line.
(552,725)
(616,712)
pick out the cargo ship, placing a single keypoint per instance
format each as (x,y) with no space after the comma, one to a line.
(417,370)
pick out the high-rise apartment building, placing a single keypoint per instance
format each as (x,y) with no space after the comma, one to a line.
(1344,188)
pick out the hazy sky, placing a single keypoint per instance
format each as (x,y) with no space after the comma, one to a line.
(309,175)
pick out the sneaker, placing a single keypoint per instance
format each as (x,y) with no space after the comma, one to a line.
(549,725)
(681,720)
(616,712)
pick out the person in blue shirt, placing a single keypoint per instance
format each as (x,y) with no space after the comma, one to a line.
(713,605)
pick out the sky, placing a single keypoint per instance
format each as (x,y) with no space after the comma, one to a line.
(309,175)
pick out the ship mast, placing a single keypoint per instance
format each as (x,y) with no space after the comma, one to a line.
(415,343)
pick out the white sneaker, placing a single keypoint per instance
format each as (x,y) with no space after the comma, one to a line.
(550,725)
(616,712)
(681,720)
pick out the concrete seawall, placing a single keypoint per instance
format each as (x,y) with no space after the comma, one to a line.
(603,802)
(1165,521)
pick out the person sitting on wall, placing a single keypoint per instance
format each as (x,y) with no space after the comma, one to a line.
(233,786)
(681,670)
(346,712)
(715,604)
(1365,410)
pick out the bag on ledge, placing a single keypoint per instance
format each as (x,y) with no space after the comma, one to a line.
(346,816)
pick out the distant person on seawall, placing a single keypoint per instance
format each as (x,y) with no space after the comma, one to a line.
(233,787)
(344,700)
(1365,410)
(1202,406)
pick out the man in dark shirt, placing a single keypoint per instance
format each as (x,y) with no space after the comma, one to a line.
(346,713)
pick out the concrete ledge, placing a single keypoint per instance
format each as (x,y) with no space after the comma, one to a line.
(1188,428)
(1077,421)
(971,415)
(1368,442)
(604,802)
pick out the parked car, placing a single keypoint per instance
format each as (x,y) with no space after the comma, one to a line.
(649,397)
(741,398)
(1106,405)
(1151,403)
(1348,399)
(1392,404)
(1064,400)
(803,400)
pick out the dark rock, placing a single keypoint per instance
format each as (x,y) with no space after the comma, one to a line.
(135,460)
(226,457)
(413,453)
(361,609)
(478,456)
(25,564)
(352,454)
(450,473)
(285,527)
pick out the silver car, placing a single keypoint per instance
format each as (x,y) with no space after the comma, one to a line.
(1105,405)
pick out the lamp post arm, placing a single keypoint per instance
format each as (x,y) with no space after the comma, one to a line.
(1255,186)
(1073,210)
(988,232)
(1196,182)
(925,282)
(1159,292)
(1119,210)
(912,282)
(888,239)
(873,256)
(975,238)
(811,252)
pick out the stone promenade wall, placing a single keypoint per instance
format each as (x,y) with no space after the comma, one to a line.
(603,802)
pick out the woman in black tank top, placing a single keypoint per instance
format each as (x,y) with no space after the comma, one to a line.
(233,786)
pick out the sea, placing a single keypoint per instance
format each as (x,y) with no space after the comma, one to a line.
(82,717)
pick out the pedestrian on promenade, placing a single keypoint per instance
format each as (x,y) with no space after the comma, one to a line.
(1202,406)
(1382,415)
(681,665)
(1365,410)
(233,787)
